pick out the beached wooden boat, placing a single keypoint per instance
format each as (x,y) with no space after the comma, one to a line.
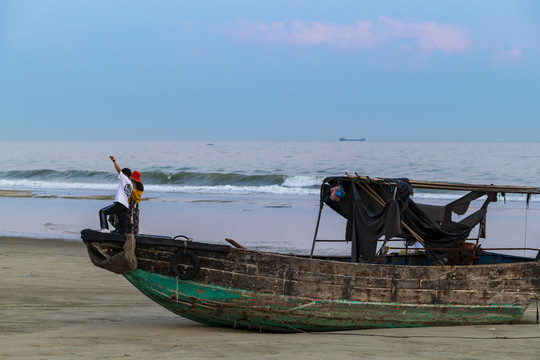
(448,283)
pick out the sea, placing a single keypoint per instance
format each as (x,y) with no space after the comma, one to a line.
(264,194)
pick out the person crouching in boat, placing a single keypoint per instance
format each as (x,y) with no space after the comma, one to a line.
(134,200)
(121,203)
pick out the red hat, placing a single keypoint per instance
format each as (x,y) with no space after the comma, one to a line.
(136,176)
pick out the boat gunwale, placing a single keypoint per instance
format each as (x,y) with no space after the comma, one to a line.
(89,235)
(192,245)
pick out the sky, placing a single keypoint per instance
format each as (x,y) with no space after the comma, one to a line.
(250,70)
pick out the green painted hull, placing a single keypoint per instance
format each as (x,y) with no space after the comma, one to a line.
(222,306)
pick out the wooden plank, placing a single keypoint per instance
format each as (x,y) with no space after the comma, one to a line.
(455,186)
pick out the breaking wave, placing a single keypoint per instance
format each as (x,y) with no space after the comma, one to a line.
(185,182)
(159,181)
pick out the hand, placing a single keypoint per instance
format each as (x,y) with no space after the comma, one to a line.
(112,158)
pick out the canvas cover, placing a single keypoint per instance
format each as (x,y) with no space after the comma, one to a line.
(383,208)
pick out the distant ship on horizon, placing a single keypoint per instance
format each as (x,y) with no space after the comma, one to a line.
(343,138)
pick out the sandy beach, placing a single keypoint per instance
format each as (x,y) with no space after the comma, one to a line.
(55,304)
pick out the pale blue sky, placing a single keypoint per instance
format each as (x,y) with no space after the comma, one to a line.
(270,70)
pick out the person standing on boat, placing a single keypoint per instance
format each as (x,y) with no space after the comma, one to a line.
(134,200)
(121,203)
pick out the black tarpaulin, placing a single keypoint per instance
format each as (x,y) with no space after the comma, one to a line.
(383,208)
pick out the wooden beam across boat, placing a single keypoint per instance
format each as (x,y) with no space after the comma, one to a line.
(474,187)
(505,189)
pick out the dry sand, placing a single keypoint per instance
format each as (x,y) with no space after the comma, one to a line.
(54,304)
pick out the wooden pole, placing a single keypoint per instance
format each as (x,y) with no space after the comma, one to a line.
(458,186)
(316,229)
(234,243)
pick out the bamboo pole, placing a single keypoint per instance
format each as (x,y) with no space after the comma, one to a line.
(234,243)
(458,186)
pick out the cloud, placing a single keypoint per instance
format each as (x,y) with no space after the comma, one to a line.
(314,33)
(512,54)
(429,36)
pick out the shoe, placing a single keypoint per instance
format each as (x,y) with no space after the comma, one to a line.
(106,231)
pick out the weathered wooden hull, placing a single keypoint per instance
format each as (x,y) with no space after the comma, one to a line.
(285,293)
(223,306)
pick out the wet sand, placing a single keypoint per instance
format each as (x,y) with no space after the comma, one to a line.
(54,304)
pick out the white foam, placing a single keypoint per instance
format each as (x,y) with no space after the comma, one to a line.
(302,181)
(294,185)
(182,189)
(53,185)
(455,196)
(230,189)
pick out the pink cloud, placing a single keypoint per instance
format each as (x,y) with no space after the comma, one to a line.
(297,32)
(429,36)
(512,54)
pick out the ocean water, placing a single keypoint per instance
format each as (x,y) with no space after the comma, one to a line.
(277,168)
(182,176)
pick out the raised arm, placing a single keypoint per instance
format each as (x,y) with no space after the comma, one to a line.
(115,164)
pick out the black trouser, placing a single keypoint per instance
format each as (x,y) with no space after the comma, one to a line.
(120,210)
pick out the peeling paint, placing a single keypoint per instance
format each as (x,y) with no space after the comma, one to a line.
(221,306)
